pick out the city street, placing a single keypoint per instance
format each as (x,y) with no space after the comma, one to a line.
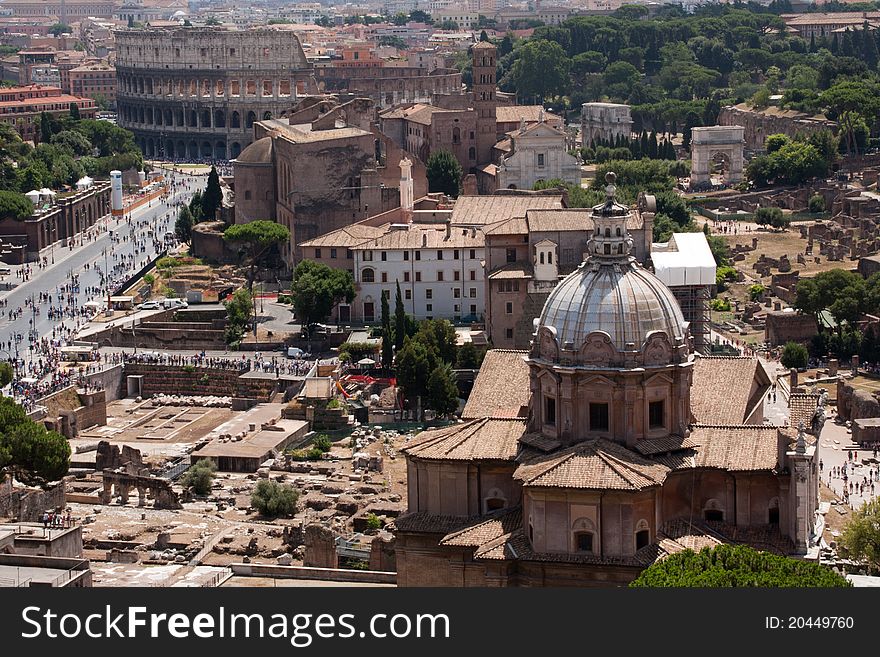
(52,300)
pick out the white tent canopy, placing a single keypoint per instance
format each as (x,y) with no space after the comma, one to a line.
(685,259)
(366,361)
(84,183)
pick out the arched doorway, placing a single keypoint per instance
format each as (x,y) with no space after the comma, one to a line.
(236,149)
(220,150)
(251,118)
(207,150)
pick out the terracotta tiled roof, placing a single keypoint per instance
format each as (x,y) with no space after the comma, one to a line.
(665,444)
(347,237)
(429,523)
(482,210)
(427,236)
(486,528)
(572,219)
(512,226)
(736,448)
(727,390)
(516,113)
(513,270)
(501,389)
(539,442)
(802,406)
(477,440)
(594,464)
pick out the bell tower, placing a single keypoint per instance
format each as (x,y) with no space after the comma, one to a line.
(484,89)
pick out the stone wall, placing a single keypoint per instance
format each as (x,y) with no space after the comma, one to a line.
(165,335)
(760,124)
(854,404)
(782,327)
(28,504)
(173,380)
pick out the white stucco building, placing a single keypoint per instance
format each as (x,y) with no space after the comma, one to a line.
(439,268)
(537,153)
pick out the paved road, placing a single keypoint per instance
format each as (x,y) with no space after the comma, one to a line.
(158,216)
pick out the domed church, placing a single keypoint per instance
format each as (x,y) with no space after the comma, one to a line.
(606,446)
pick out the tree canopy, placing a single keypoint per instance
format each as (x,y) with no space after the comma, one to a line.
(444,173)
(736,566)
(15,206)
(317,289)
(28,451)
(861,535)
(255,239)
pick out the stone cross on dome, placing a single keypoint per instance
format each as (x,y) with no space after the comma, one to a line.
(611,241)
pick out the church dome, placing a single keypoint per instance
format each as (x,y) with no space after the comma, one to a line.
(610,308)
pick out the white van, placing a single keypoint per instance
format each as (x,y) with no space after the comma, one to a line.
(173,304)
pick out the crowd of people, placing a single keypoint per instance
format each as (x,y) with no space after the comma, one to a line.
(856,479)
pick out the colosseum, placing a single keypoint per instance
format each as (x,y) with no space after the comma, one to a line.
(195,93)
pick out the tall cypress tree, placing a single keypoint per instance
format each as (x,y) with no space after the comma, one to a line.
(212,196)
(871,55)
(399,319)
(835,45)
(652,146)
(812,42)
(387,342)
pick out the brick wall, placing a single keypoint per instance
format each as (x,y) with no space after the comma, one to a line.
(173,380)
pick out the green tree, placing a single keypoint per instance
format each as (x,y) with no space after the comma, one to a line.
(74,112)
(413,365)
(541,69)
(58,29)
(768,216)
(45,126)
(274,500)
(387,340)
(756,292)
(861,535)
(728,566)
(468,358)
(794,354)
(15,206)
(442,391)
(199,476)
(239,310)
(256,238)
(317,290)
(452,26)
(184,224)
(816,204)
(444,173)
(399,319)
(774,142)
(28,451)
(400,18)
(420,16)
(6,374)
(212,197)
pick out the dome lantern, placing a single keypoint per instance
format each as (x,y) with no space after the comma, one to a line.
(610,240)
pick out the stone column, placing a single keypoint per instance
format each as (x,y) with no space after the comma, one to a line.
(803,499)
(793,378)
(832,367)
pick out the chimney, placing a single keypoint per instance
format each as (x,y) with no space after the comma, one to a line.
(424,240)
(448,229)
(406,189)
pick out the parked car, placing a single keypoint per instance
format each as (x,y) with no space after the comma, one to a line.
(148,305)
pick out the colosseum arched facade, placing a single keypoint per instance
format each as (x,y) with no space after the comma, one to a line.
(195,93)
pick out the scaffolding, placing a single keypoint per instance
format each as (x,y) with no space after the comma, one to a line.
(694,303)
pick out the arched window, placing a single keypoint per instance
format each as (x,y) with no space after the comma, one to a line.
(618,231)
(236,121)
(607,232)
(583,532)
(607,249)
(549,257)
(456,136)
(494,500)
(472,153)
(251,117)
(713,511)
(541,257)
(643,534)
(368,275)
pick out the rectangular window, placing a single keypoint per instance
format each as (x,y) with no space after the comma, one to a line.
(540,159)
(407,294)
(508,308)
(384,276)
(349,254)
(429,307)
(439,254)
(473,293)
(406,255)
(655,414)
(317,253)
(549,410)
(429,293)
(511,255)
(508,333)
(406,277)
(456,293)
(473,274)
(439,275)
(598,416)
(516,286)
(455,275)
(418,277)
(418,255)
(455,254)
(473,254)
(368,256)
(333,253)
(384,256)
(473,309)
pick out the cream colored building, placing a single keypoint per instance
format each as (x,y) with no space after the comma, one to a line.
(537,153)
